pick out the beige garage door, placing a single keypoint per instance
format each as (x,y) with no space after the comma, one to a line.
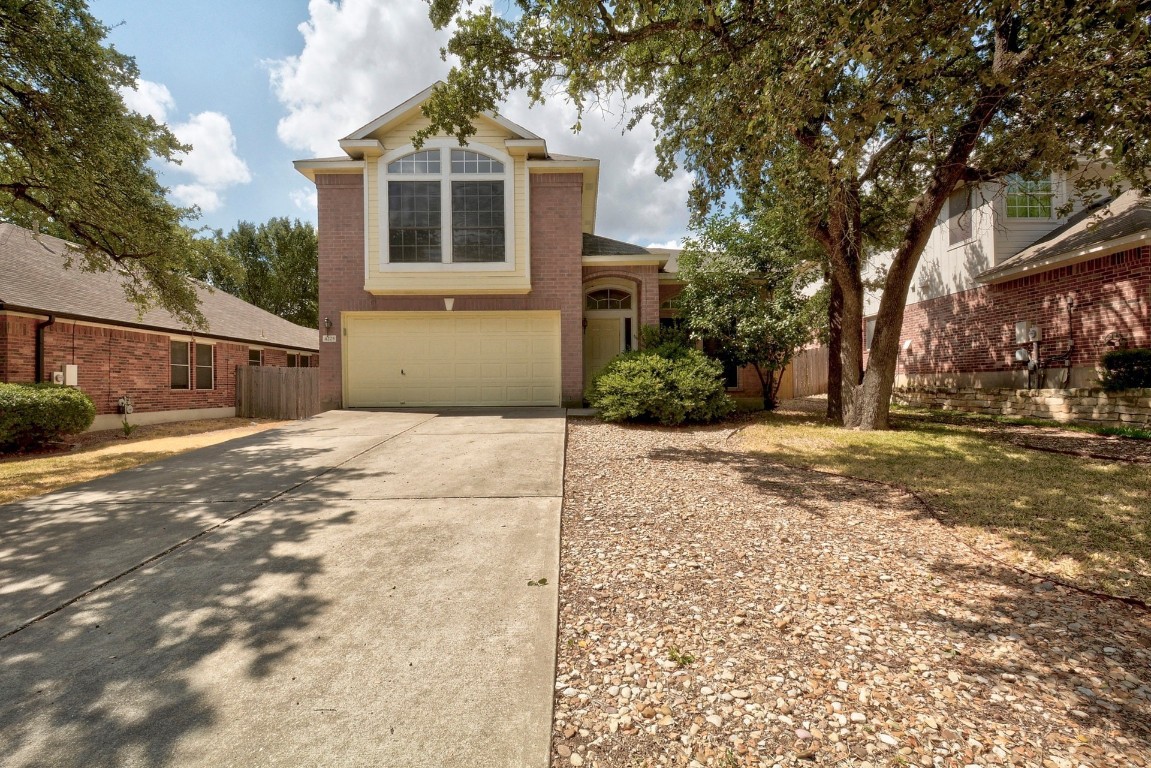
(451,358)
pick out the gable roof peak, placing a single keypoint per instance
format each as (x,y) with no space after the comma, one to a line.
(401,111)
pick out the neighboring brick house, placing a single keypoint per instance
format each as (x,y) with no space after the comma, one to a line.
(470,275)
(63,322)
(1002,272)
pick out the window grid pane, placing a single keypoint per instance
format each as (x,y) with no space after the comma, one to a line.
(178,357)
(478,221)
(1028,198)
(414,222)
(427,161)
(204,366)
(255,357)
(609,298)
(464,161)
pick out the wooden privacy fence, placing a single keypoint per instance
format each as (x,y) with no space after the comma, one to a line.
(809,372)
(277,393)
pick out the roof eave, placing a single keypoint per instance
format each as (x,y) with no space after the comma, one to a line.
(311,168)
(1064,259)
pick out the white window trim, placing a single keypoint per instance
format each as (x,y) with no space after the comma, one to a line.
(1057,200)
(446,177)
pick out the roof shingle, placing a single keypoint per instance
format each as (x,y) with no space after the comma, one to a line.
(35,279)
(1090,229)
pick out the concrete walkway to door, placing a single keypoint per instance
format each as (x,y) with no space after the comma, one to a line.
(352,590)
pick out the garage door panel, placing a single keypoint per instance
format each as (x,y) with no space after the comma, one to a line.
(462,358)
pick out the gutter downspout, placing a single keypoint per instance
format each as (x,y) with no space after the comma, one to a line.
(40,345)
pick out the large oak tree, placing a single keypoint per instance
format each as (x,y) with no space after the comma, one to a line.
(867,113)
(74,161)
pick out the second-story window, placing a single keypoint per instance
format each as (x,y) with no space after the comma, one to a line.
(447,205)
(1028,198)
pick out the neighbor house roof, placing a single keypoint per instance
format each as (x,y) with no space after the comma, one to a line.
(1105,227)
(37,281)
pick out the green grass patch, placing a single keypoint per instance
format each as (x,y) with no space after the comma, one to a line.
(1081,520)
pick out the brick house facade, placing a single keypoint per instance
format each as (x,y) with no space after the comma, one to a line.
(1081,284)
(370,298)
(84,320)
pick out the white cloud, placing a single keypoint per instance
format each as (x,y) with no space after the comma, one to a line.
(149,98)
(212,163)
(197,194)
(670,244)
(360,58)
(304,199)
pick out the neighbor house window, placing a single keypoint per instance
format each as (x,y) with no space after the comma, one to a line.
(190,363)
(204,373)
(868,332)
(178,358)
(1028,198)
(255,357)
(959,216)
(447,205)
(299,360)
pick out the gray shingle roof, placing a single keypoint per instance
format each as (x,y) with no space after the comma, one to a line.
(35,279)
(1109,220)
(594,245)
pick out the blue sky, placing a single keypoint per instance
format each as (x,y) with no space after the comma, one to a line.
(253,85)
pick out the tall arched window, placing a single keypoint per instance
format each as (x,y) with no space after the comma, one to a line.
(448,205)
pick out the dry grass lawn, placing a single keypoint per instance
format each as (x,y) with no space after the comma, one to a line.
(1084,521)
(96,454)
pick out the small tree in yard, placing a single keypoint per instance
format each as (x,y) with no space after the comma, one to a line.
(743,289)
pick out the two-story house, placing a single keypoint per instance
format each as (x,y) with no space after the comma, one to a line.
(468,275)
(1002,272)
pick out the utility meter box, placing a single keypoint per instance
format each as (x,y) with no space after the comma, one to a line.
(71,375)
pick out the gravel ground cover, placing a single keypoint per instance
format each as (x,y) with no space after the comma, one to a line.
(719,610)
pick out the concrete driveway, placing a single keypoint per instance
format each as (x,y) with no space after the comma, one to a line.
(350,590)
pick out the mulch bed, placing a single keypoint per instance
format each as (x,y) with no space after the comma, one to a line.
(719,610)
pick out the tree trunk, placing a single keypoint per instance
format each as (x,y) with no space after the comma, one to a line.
(834,339)
(765,384)
(846,256)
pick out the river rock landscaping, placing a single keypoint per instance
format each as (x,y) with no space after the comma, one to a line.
(720,610)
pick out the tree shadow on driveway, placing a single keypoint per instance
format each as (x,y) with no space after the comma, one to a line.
(130,672)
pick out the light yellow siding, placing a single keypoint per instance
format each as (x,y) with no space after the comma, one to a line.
(400,134)
(447,280)
(451,358)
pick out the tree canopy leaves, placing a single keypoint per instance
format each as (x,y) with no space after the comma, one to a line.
(273,265)
(867,113)
(74,160)
(746,288)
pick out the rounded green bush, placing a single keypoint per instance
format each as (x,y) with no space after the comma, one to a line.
(1126,369)
(32,415)
(670,385)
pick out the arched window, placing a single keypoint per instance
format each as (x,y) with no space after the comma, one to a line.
(608,298)
(447,205)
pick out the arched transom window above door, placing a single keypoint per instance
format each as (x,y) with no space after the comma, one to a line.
(447,205)
(608,298)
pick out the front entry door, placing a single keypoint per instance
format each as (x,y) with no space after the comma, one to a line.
(601,342)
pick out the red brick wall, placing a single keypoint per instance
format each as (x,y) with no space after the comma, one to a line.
(974,331)
(113,362)
(556,250)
